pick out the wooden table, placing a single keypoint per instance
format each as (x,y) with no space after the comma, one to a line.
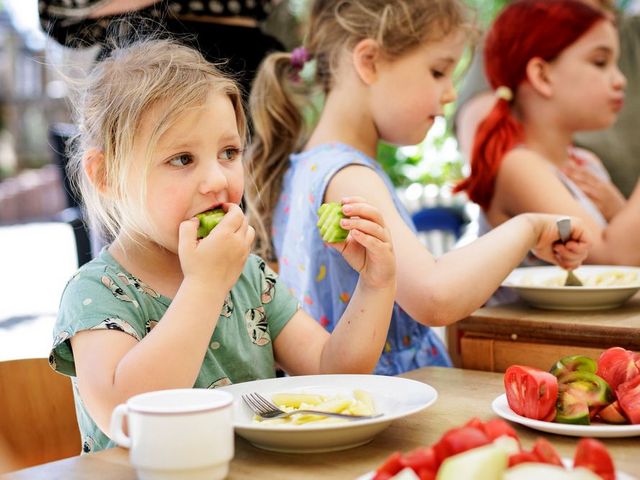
(492,338)
(462,394)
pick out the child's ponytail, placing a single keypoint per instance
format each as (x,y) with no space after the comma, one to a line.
(275,104)
(498,133)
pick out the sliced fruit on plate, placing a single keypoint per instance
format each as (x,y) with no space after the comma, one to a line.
(495,459)
(593,455)
(629,399)
(581,396)
(573,363)
(572,409)
(531,392)
(483,463)
(617,365)
(613,414)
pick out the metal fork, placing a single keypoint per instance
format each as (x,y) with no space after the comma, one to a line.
(564,229)
(265,409)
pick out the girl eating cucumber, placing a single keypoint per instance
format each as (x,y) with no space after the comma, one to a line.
(161,140)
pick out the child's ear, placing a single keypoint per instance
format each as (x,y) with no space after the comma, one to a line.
(538,76)
(366,57)
(93,164)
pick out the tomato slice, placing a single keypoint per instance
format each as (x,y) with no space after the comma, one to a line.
(422,458)
(572,409)
(629,399)
(545,452)
(531,392)
(496,428)
(593,455)
(476,423)
(617,365)
(573,363)
(391,466)
(522,457)
(425,474)
(613,414)
(458,440)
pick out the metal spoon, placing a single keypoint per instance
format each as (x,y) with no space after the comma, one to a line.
(564,229)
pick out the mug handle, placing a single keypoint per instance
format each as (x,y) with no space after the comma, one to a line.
(117,435)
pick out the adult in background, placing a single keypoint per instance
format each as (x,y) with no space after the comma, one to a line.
(222,30)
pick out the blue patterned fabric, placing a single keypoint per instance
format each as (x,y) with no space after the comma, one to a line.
(319,277)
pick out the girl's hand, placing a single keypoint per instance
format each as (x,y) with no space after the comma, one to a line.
(549,247)
(368,248)
(221,255)
(603,193)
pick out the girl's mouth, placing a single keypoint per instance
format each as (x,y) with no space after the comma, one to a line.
(617,104)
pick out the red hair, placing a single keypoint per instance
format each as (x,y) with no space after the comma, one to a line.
(524,30)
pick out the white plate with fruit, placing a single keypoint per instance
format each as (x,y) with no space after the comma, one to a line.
(600,430)
(578,396)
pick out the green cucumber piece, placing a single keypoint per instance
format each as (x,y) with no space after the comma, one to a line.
(329,216)
(208,221)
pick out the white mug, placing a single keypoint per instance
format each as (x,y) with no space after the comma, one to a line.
(177,434)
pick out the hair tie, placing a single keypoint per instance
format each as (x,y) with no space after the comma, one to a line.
(299,56)
(504,93)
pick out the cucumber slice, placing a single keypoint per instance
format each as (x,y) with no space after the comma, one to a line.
(208,221)
(329,215)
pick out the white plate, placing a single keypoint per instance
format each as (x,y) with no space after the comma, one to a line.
(529,282)
(567,462)
(393,396)
(501,407)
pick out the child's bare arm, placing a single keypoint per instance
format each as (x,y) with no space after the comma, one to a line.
(442,291)
(112,367)
(524,175)
(304,347)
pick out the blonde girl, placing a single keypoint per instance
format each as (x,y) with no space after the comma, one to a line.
(386,71)
(162,134)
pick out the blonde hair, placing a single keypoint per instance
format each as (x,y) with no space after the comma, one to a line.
(116,96)
(278,97)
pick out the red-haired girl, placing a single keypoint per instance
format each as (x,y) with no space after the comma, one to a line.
(553,78)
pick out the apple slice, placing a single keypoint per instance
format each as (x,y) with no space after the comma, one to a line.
(482,463)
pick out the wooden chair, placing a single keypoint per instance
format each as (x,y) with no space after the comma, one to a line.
(37,413)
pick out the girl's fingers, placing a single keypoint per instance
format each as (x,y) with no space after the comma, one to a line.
(369,242)
(354,199)
(363,210)
(365,226)
(233,218)
(565,255)
(187,235)
(250,235)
